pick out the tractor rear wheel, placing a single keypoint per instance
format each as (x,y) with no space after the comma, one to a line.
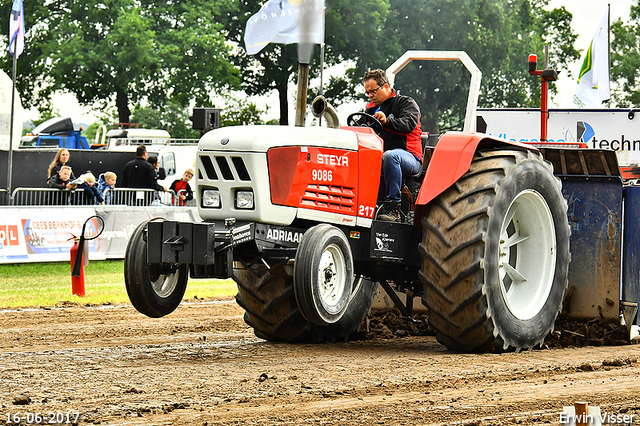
(266,294)
(155,290)
(496,255)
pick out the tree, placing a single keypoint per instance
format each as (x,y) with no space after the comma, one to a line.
(173,117)
(348,24)
(625,59)
(127,51)
(240,112)
(497,34)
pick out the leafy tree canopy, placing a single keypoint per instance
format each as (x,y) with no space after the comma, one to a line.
(352,33)
(497,34)
(160,53)
(127,50)
(625,59)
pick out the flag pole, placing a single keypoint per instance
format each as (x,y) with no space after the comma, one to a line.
(321,91)
(609,53)
(13,102)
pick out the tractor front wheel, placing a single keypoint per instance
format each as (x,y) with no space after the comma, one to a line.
(266,292)
(155,290)
(496,254)
(323,274)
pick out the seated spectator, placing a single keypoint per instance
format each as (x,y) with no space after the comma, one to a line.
(182,189)
(89,188)
(106,183)
(61,180)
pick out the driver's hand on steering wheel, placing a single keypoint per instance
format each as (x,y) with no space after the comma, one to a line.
(380,116)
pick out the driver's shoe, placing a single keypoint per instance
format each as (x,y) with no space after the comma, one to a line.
(390,212)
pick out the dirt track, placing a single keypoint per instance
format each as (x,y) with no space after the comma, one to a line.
(203,366)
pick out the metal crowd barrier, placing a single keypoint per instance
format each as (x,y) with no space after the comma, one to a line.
(116,196)
(46,197)
(132,197)
(188,203)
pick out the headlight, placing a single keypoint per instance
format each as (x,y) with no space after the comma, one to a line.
(211,198)
(244,199)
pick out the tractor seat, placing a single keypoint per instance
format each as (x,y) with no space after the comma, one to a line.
(425,142)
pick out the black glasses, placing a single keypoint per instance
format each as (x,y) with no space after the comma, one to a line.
(373,92)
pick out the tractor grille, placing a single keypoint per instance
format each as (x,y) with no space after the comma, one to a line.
(337,198)
(225,168)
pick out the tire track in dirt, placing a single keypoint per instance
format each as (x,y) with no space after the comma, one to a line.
(202,365)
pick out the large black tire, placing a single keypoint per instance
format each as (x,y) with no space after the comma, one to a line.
(323,274)
(266,294)
(154,290)
(496,255)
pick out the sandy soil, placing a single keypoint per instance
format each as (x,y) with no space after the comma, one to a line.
(202,365)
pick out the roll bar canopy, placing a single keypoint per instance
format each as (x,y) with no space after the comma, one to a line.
(434,55)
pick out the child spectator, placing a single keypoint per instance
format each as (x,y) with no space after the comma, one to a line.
(62,158)
(61,181)
(90,189)
(182,189)
(106,183)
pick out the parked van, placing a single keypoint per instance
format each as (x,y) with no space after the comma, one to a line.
(174,160)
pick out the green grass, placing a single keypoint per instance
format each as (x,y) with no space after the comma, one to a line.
(49,284)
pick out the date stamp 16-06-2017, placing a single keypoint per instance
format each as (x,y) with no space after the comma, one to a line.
(42,418)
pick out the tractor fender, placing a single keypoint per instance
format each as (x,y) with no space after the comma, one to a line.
(452,158)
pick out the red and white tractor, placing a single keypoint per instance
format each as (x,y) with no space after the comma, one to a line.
(289,213)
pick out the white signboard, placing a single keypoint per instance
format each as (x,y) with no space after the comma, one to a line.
(5,113)
(46,234)
(615,129)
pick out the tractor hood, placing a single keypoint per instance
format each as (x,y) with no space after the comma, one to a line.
(261,138)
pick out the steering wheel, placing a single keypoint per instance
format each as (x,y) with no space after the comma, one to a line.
(357,120)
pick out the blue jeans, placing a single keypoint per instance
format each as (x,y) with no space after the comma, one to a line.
(395,164)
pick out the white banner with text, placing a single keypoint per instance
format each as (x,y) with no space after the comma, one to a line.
(46,234)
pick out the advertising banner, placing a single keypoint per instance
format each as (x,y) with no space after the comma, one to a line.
(615,129)
(46,234)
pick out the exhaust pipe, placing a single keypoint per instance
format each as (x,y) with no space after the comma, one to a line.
(321,108)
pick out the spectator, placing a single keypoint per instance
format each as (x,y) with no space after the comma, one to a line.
(139,173)
(62,158)
(182,189)
(106,184)
(89,190)
(153,160)
(61,180)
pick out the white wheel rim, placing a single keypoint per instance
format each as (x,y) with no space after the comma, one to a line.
(527,254)
(332,278)
(165,284)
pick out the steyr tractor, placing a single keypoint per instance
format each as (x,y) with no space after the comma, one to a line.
(289,213)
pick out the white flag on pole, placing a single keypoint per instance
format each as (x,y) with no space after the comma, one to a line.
(16,29)
(593,80)
(278,21)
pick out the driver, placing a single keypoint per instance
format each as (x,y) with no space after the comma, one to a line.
(401,133)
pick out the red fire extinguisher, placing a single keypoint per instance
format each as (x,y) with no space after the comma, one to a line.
(77,282)
(80,256)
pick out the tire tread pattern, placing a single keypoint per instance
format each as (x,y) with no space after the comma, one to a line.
(453,250)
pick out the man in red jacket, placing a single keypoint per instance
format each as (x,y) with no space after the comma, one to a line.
(401,132)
